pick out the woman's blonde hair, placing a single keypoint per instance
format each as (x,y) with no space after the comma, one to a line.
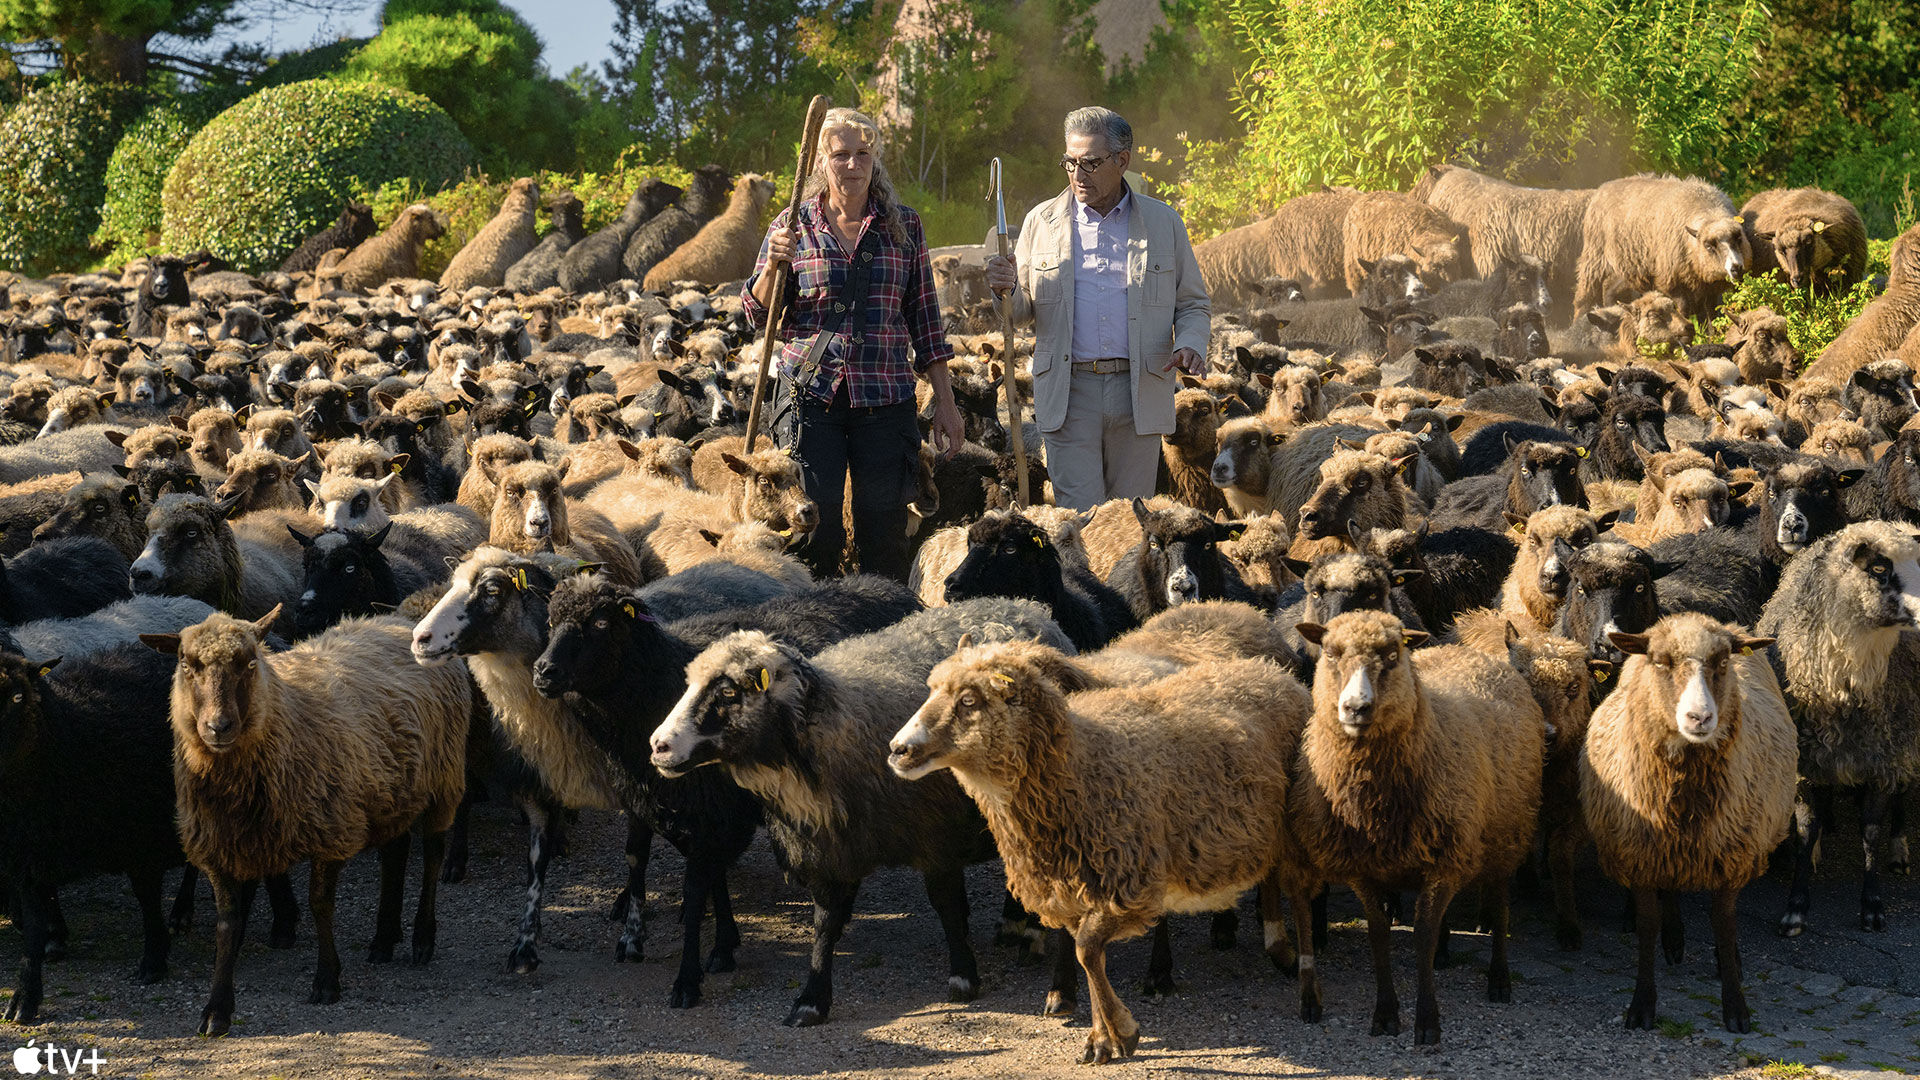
(878,186)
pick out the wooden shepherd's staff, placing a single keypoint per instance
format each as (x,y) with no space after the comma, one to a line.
(777,300)
(1009,363)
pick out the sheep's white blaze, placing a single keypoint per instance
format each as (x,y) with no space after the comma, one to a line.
(435,634)
(1356,698)
(1182,586)
(262,440)
(1908,574)
(1734,263)
(536,521)
(57,420)
(149,559)
(337,514)
(674,739)
(1696,714)
(1553,566)
(911,736)
(1223,473)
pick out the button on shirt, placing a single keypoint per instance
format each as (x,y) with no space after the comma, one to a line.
(1100,280)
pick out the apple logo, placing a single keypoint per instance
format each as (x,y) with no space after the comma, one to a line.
(27,1059)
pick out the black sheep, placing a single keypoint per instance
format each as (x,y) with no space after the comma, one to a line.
(1745,453)
(1613,591)
(1450,368)
(1636,379)
(1537,474)
(1716,572)
(1007,555)
(1334,585)
(435,480)
(64,578)
(540,268)
(353,226)
(104,717)
(1627,421)
(1178,559)
(1445,572)
(1800,502)
(621,672)
(595,261)
(1881,395)
(346,574)
(1488,448)
(1895,492)
(165,285)
(706,196)
(1435,431)
(324,411)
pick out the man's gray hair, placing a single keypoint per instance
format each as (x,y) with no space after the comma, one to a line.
(1094,120)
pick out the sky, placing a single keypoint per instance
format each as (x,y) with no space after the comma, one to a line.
(574,31)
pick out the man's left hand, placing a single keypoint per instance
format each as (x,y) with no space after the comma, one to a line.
(949,431)
(1188,361)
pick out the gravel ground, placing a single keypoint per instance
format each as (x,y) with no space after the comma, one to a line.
(581,1015)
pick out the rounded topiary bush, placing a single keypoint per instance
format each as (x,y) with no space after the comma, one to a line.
(267,173)
(54,148)
(130,216)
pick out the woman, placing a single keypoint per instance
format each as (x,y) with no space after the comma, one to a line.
(845,404)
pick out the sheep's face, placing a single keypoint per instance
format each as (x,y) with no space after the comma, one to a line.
(1396,276)
(748,537)
(259,479)
(362,458)
(493,417)
(1354,485)
(1798,248)
(1767,352)
(1803,502)
(1874,566)
(96,507)
(529,508)
(1523,333)
(1179,557)
(1244,455)
(26,402)
(1813,400)
(350,503)
(74,407)
(1337,584)
(661,459)
(1754,425)
(214,686)
(20,684)
(745,697)
(185,541)
(1683,668)
(772,491)
(709,404)
(566,379)
(1561,678)
(1654,319)
(1841,440)
(1612,593)
(1439,262)
(590,622)
(152,446)
(1694,501)
(1364,676)
(968,720)
(496,602)
(1007,555)
(495,454)
(342,574)
(1551,536)
(1296,398)
(167,281)
(1544,474)
(1723,244)
(1882,395)
(141,383)
(1259,554)
(322,407)
(277,430)
(240,322)
(1196,423)
(597,416)
(215,436)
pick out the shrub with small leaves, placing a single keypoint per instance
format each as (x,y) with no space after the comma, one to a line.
(130,217)
(54,149)
(267,173)
(1812,321)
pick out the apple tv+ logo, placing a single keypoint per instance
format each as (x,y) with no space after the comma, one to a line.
(31,1060)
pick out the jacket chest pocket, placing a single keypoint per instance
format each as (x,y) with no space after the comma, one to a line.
(1156,282)
(1048,284)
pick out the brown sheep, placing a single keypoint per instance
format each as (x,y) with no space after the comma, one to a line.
(280,431)
(346,740)
(1506,223)
(395,253)
(1357,491)
(501,242)
(1184,785)
(1419,769)
(370,460)
(492,454)
(1691,501)
(592,417)
(725,248)
(103,506)
(755,546)
(1842,440)
(1810,402)
(76,406)
(1884,323)
(1188,451)
(1260,556)
(1687,779)
(1295,398)
(530,514)
(1678,237)
(1381,223)
(261,480)
(1815,237)
(1301,241)
(214,436)
(1656,468)
(1536,585)
(1762,349)
(1749,425)
(763,486)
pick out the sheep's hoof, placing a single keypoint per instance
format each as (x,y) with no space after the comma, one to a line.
(324,993)
(1013,934)
(627,951)
(1426,1034)
(180,924)
(1386,1020)
(422,953)
(1101,1050)
(620,903)
(380,952)
(685,994)
(1674,951)
(961,989)
(1872,916)
(720,961)
(1568,935)
(1225,929)
(1793,924)
(805,1016)
(524,959)
(1158,985)
(1058,1003)
(1499,986)
(1640,1014)
(1311,1012)
(453,872)
(212,1024)
(1736,1017)
(21,1010)
(278,938)
(55,951)
(149,973)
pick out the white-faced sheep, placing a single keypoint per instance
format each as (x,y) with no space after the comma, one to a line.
(427,536)
(1142,837)
(1687,782)
(335,746)
(1678,237)
(1506,223)
(1419,769)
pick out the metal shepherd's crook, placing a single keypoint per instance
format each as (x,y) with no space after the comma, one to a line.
(1009,362)
(777,300)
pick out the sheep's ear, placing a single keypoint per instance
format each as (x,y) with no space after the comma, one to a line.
(1512,634)
(1600,669)
(243,413)
(117,438)
(228,506)
(1454,421)
(314,488)
(265,622)
(1518,521)
(1778,389)
(303,538)
(378,538)
(384,400)
(1369,396)
(1605,521)
(628,448)
(1849,477)
(130,494)
(1506,439)
(178,421)
(1746,645)
(966,641)
(736,464)
(710,537)
(1425,356)
(1402,464)
(1349,444)
(398,463)
(1739,488)
(166,643)
(1401,577)
(123,471)
(1552,410)
(106,400)
(1313,632)
(1298,566)
(1662,569)
(1633,644)
(1413,639)
(1605,375)
(1641,453)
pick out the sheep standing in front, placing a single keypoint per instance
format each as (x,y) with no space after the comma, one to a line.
(335,746)
(501,242)
(1418,770)
(806,735)
(1852,674)
(1664,234)
(674,225)
(725,248)
(1687,782)
(1179,795)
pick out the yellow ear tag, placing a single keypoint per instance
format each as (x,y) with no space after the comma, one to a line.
(519,578)
(1580,451)
(1746,650)
(1599,676)
(396,468)
(1038,542)
(766,680)
(630,610)
(1003,680)
(44,670)
(1819,226)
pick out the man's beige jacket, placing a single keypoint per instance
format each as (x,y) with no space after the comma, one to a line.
(1167,307)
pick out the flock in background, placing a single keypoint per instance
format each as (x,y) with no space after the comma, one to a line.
(1468,556)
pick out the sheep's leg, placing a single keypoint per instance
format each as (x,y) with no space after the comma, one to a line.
(523,958)
(286,911)
(24,1006)
(1494,901)
(1302,904)
(1562,843)
(1273,929)
(393,885)
(1429,913)
(832,909)
(1734,1014)
(457,846)
(1018,928)
(1899,859)
(726,932)
(155,941)
(231,902)
(1673,930)
(695,884)
(1114,1034)
(426,924)
(1873,818)
(56,948)
(633,934)
(322,880)
(1646,910)
(1810,811)
(1225,929)
(1159,962)
(947,891)
(1065,987)
(1320,916)
(1386,1004)
(180,919)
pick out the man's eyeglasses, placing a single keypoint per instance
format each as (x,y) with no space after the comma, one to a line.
(1084,166)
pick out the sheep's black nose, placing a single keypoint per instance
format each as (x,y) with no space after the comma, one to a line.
(139,576)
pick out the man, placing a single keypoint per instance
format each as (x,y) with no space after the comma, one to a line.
(1107,277)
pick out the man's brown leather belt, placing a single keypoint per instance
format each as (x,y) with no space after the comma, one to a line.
(1109,366)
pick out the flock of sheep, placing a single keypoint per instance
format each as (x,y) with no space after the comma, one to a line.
(1466,551)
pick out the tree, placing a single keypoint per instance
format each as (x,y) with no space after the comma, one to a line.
(107,40)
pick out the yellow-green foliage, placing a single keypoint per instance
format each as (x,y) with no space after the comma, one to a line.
(267,173)
(1812,321)
(130,215)
(54,149)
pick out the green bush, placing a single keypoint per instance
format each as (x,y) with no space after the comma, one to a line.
(480,62)
(315,63)
(267,173)
(130,215)
(54,149)
(1812,321)
(467,206)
